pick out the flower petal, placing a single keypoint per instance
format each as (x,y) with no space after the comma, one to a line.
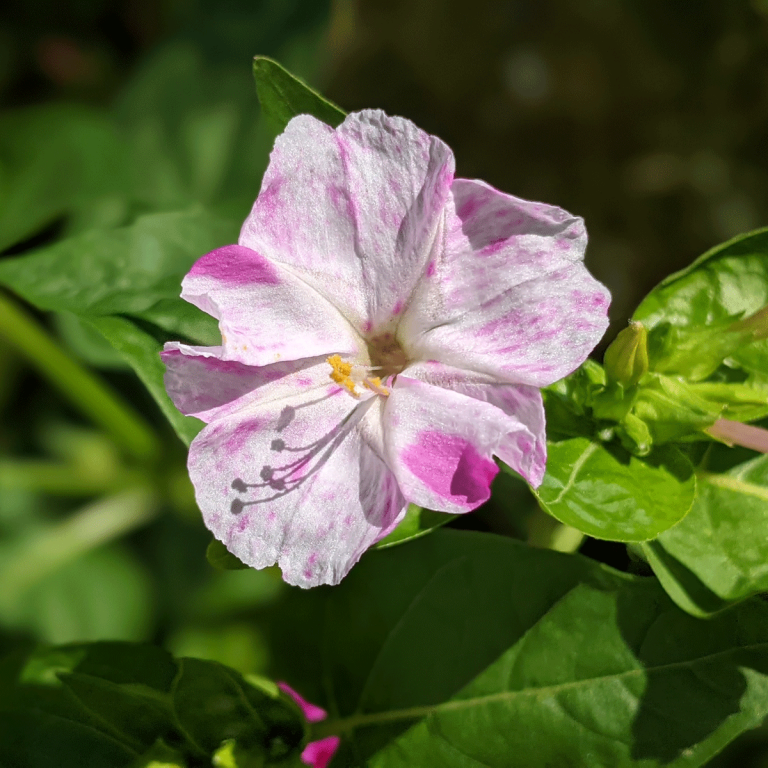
(440,444)
(311,712)
(265,312)
(509,295)
(353,211)
(523,445)
(293,481)
(318,754)
(202,384)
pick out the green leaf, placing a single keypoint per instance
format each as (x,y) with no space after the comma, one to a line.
(125,283)
(465,649)
(120,704)
(724,539)
(417,522)
(83,705)
(602,680)
(118,271)
(141,350)
(283,96)
(213,703)
(729,280)
(607,493)
(220,557)
(680,583)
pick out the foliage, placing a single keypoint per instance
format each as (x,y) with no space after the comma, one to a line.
(446,647)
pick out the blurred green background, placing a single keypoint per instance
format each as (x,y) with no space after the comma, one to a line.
(647,117)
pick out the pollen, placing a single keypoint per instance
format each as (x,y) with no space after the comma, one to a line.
(348,375)
(341,373)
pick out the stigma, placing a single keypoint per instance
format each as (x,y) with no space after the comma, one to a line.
(355,378)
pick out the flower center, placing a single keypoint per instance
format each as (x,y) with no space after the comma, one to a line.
(385,360)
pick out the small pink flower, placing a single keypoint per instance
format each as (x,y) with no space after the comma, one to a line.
(317,753)
(386,329)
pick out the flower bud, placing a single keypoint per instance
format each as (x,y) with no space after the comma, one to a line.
(626,359)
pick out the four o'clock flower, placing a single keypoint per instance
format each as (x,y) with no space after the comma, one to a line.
(386,329)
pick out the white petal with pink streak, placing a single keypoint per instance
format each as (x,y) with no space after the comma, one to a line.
(293,481)
(266,314)
(507,294)
(355,212)
(440,444)
(520,416)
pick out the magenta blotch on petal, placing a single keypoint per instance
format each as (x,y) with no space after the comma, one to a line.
(385,332)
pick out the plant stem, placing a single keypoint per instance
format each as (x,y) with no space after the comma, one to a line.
(57,544)
(736,433)
(62,479)
(84,390)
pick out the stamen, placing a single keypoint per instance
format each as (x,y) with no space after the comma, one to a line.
(349,375)
(374,384)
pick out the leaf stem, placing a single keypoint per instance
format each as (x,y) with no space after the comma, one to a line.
(84,390)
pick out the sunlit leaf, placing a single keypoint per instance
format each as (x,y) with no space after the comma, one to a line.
(724,539)
(283,96)
(607,493)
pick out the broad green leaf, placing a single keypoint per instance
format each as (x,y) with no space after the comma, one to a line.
(117,704)
(607,493)
(603,679)
(417,522)
(283,96)
(119,271)
(485,649)
(724,539)
(729,280)
(125,283)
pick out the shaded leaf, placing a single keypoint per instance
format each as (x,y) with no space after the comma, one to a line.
(213,703)
(464,649)
(602,680)
(124,704)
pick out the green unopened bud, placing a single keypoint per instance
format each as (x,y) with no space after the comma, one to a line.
(626,360)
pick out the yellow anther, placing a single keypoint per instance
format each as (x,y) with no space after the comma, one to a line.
(340,373)
(339,366)
(349,376)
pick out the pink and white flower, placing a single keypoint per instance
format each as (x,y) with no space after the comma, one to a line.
(386,329)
